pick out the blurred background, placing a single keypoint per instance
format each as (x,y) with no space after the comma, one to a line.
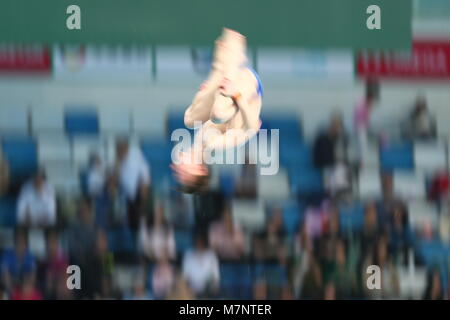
(364,155)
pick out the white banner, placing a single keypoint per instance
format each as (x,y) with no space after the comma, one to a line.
(88,63)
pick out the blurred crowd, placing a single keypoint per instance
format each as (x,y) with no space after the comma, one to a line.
(182,246)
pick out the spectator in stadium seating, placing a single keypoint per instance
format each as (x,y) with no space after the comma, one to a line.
(434,289)
(312,287)
(18,262)
(226,237)
(246,181)
(111,205)
(330,156)
(260,290)
(372,227)
(269,245)
(36,205)
(420,125)
(82,245)
(208,207)
(27,290)
(330,145)
(379,256)
(389,200)
(201,267)
(96,176)
(181,290)
(343,271)
(158,239)
(330,291)
(102,267)
(302,257)
(56,264)
(181,210)
(140,291)
(134,177)
(4,174)
(163,277)
(399,232)
(362,114)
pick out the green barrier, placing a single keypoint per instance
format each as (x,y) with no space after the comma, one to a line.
(358,24)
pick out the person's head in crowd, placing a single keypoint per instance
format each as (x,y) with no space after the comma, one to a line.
(260,289)
(387,185)
(287,293)
(381,251)
(181,289)
(139,287)
(334,222)
(434,289)
(39,179)
(329,291)
(275,221)
(420,107)
(101,242)
(200,241)
(399,217)
(85,211)
(336,126)
(122,147)
(341,253)
(370,218)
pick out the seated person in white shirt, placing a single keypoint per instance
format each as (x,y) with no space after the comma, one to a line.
(201,267)
(36,206)
(96,175)
(134,177)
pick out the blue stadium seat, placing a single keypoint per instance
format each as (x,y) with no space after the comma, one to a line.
(433,252)
(227,185)
(236,281)
(287,123)
(21,154)
(305,181)
(351,217)
(299,155)
(292,216)
(397,157)
(122,240)
(7,212)
(175,120)
(81,121)
(274,274)
(158,155)
(183,241)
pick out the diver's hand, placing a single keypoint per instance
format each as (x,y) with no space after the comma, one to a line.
(228,89)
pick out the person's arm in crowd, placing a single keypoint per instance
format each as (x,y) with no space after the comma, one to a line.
(171,244)
(144,171)
(143,237)
(23,214)
(215,272)
(239,239)
(51,207)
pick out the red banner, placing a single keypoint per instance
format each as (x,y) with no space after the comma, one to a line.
(25,59)
(428,60)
